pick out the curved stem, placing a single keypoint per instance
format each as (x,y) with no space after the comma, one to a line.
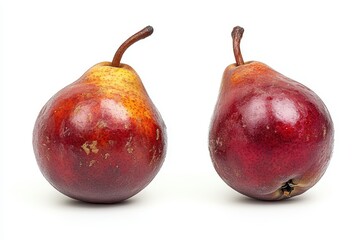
(147,31)
(237,34)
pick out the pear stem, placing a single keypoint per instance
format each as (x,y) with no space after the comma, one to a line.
(237,34)
(147,31)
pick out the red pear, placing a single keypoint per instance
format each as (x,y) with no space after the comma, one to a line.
(270,137)
(101,139)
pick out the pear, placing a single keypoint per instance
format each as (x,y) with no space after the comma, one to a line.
(101,139)
(270,137)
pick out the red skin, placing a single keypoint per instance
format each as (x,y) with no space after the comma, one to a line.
(268,130)
(97,145)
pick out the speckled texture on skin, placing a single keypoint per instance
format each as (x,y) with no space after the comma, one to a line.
(100,139)
(268,130)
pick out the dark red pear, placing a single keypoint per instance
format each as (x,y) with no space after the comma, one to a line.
(270,137)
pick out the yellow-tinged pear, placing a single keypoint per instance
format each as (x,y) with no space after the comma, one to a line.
(101,139)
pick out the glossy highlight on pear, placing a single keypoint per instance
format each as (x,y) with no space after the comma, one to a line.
(101,138)
(270,137)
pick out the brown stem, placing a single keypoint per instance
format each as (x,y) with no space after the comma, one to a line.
(147,31)
(237,34)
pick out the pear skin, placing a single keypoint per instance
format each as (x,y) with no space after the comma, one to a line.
(101,139)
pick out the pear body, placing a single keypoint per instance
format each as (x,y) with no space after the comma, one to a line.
(100,139)
(270,137)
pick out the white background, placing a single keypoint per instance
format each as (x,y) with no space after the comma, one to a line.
(46,45)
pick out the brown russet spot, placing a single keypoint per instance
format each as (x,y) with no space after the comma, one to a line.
(92,162)
(89,147)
